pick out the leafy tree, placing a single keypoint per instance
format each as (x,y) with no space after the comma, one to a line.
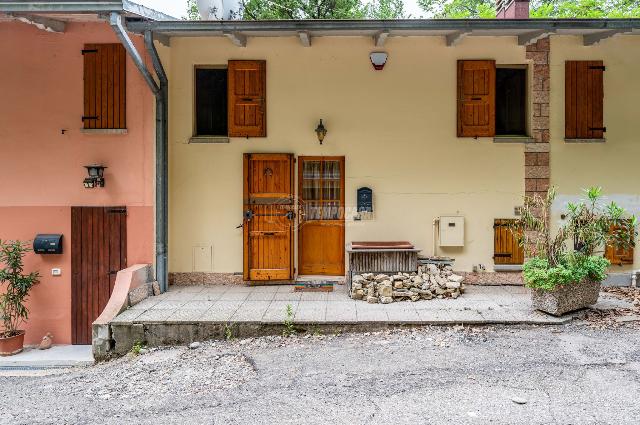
(192,11)
(385,9)
(539,9)
(303,9)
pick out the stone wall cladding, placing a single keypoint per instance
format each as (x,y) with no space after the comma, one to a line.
(199,278)
(536,158)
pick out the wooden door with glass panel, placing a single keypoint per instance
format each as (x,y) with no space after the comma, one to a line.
(321,215)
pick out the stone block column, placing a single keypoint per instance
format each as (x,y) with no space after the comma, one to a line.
(536,158)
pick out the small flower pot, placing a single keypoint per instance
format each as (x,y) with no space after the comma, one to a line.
(566,298)
(12,345)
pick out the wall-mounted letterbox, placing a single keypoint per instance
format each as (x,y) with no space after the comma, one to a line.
(365,200)
(47,244)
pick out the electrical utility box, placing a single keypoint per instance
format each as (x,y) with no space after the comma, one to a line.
(451,230)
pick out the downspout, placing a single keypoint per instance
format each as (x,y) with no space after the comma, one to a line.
(162,166)
(161,94)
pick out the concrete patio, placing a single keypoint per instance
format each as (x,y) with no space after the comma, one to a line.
(268,305)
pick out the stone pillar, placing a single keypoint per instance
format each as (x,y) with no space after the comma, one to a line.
(536,157)
(512,9)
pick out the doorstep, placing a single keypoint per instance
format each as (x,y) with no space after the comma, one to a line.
(56,356)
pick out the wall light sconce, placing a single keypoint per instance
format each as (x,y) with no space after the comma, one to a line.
(378,60)
(96,176)
(321,131)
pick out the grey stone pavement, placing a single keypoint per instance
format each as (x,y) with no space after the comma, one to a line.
(268,305)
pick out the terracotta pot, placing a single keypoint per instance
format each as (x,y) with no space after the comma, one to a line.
(12,345)
(566,298)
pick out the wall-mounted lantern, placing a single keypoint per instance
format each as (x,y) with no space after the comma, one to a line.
(96,176)
(321,131)
(378,59)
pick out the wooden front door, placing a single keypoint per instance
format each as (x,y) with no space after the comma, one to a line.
(321,231)
(98,252)
(268,217)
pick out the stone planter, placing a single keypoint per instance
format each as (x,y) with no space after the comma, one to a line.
(566,298)
(12,345)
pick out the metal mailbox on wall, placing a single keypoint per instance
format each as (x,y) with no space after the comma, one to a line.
(47,244)
(365,200)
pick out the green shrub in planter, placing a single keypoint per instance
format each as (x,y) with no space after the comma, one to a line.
(567,278)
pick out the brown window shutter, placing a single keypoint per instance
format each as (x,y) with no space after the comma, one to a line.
(476,98)
(584,100)
(506,246)
(616,255)
(104,86)
(247,98)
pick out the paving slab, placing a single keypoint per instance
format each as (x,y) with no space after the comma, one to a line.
(56,356)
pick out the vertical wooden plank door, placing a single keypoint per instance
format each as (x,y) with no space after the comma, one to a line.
(321,231)
(98,252)
(506,245)
(268,217)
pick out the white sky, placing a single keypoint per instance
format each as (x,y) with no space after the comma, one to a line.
(177,8)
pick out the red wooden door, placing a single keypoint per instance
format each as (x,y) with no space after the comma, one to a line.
(268,217)
(98,252)
(321,231)
(476,98)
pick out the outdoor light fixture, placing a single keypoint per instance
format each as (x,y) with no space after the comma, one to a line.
(321,131)
(378,59)
(96,176)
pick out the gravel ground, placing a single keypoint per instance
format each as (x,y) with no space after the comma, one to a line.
(574,374)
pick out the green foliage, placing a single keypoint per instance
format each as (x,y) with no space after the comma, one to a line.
(322,9)
(137,346)
(571,269)
(289,329)
(12,302)
(590,225)
(193,14)
(459,9)
(228,333)
(539,8)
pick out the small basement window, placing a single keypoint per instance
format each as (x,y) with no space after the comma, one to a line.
(511,101)
(211,102)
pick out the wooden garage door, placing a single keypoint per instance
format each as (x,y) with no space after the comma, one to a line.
(98,252)
(268,217)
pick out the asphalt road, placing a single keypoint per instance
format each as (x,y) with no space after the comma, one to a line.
(572,374)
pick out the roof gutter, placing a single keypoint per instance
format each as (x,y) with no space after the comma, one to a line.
(161,93)
(391,25)
(83,7)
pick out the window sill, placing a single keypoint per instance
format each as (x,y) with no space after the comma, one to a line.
(585,140)
(513,139)
(208,139)
(103,130)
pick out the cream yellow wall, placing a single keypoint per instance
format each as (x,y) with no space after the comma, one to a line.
(396,128)
(615,164)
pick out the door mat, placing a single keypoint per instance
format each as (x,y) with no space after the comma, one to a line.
(314,286)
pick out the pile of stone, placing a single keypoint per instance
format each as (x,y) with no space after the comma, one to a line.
(429,282)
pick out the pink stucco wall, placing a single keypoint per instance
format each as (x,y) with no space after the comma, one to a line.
(41,169)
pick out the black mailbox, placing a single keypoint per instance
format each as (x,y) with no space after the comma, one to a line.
(365,200)
(47,244)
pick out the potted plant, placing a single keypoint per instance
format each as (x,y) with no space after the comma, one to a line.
(562,278)
(13,297)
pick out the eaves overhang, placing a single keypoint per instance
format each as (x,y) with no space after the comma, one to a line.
(80,7)
(525,28)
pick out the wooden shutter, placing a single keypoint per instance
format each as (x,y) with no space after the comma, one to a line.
(506,246)
(616,255)
(476,98)
(584,100)
(246,97)
(104,86)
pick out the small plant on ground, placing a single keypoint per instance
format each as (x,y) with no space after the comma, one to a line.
(289,329)
(590,225)
(13,311)
(137,346)
(228,333)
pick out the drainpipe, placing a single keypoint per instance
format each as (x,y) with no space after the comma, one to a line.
(161,93)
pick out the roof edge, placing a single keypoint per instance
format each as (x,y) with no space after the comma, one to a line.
(78,7)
